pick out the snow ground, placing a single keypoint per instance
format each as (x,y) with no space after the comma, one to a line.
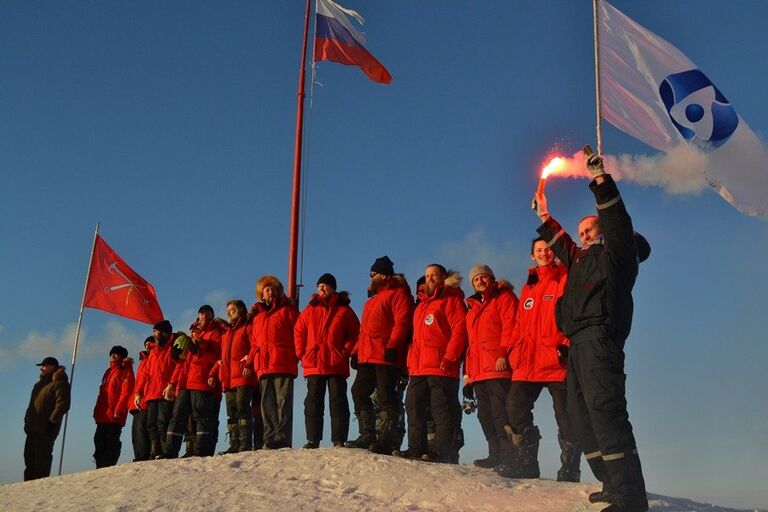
(326,479)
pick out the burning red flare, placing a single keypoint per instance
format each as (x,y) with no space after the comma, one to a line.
(553,166)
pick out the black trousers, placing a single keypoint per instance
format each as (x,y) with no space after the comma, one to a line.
(598,411)
(382,378)
(178,425)
(523,395)
(436,397)
(140,435)
(277,408)
(491,396)
(205,414)
(106,442)
(38,455)
(314,407)
(159,413)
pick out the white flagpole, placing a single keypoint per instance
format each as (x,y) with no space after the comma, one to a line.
(74,349)
(599,126)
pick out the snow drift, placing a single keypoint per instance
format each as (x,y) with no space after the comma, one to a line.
(326,479)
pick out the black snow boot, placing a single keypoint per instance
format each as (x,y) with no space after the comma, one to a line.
(492,460)
(525,462)
(172,445)
(385,442)
(367,438)
(189,447)
(245,427)
(606,494)
(155,449)
(233,431)
(570,460)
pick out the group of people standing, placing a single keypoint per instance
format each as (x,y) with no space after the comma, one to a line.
(565,332)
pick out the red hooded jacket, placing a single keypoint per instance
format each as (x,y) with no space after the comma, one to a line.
(235,345)
(115,393)
(532,348)
(272,347)
(326,334)
(439,331)
(386,323)
(490,323)
(201,361)
(160,368)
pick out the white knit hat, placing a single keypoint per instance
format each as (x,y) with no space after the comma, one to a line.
(480,268)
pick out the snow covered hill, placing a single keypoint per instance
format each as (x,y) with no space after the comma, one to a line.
(327,479)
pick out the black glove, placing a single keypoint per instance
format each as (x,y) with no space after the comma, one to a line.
(353,362)
(468,392)
(562,353)
(390,355)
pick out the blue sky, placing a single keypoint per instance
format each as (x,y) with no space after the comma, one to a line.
(172,123)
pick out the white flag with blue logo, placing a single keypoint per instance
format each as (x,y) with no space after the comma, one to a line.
(653,92)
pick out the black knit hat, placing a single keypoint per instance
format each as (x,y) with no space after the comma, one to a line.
(121,351)
(163,326)
(206,308)
(327,279)
(383,266)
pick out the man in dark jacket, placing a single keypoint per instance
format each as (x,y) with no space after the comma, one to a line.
(47,406)
(595,313)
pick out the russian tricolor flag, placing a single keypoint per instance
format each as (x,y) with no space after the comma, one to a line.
(338,41)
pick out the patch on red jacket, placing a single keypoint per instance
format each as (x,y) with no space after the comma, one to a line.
(549,297)
(528,304)
(430,319)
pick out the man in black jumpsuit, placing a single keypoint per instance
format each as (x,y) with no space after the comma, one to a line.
(595,313)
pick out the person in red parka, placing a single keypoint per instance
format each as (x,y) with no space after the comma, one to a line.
(434,358)
(325,335)
(273,358)
(538,355)
(228,371)
(139,431)
(111,408)
(379,356)
(490,321)
(151,388)
(192,376)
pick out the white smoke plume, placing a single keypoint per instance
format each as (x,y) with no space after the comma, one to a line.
(680,171)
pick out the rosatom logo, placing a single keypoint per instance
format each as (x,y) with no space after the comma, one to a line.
(699,111)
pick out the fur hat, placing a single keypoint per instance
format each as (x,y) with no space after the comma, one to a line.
(163,326)
(478,269)
(328,279)
(383,266)
(265,281)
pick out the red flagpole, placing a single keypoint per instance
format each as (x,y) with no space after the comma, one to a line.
(295,197)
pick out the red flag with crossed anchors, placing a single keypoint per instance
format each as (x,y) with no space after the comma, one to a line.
(114,287)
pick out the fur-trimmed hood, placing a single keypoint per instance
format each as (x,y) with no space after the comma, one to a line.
(452,284)
(396,281)
(339,298)
(494,289)
(60,374)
